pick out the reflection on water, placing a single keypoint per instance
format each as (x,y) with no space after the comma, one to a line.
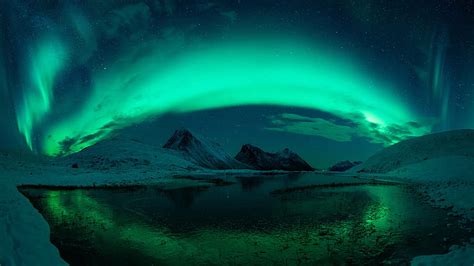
(243,223)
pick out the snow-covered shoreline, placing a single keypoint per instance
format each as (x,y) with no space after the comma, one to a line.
(23,230)
(441,167)
(443,176)
(27,240)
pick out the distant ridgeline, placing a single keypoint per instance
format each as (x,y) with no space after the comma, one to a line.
(211,155)
(184,150)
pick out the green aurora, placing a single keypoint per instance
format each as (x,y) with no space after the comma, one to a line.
(144,84)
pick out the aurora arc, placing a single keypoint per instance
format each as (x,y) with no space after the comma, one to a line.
(143,85)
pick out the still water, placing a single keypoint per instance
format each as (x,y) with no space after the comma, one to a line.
(251,220)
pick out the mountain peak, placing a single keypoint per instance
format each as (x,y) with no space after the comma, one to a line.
(202,151)
(180,140)
(262,160)
(343,166)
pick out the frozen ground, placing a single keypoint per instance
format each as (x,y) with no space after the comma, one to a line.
(443,172)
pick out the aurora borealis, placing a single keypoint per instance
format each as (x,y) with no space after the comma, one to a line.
(77,73)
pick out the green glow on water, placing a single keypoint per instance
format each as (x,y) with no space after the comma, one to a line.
(110,230)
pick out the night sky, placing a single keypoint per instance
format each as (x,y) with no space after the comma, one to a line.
(331,80)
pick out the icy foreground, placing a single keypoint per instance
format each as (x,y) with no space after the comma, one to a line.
(24,233)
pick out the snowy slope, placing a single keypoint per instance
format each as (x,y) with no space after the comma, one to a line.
(458,255)
(204,152)
(282,160)
(121,153)
(24,234)
(438,156)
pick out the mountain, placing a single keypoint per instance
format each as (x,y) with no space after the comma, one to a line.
(343,166)
(201,151)
(261,160)
(122,154)
(437,156)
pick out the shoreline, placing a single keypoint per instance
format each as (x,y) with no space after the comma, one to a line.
(16,204)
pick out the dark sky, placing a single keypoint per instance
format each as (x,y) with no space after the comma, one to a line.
(331,80)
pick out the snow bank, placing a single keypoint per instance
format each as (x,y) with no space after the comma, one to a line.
(24,234)
(447,168)
(126,154)
(457,256)
(442,166)
(417,155)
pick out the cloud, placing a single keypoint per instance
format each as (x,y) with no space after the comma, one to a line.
(355,126)
(303,125)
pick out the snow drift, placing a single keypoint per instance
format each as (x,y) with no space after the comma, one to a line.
(445,155)
(122,153)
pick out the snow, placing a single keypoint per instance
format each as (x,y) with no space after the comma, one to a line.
(458,143)
(458,255)
(24,234)
(441,165)
(118,154)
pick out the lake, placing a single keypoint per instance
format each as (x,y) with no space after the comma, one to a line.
(284,219)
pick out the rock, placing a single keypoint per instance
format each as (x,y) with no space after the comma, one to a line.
(205,153)
(343,166)
(261,160)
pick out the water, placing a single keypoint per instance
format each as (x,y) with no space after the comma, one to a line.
(244,222)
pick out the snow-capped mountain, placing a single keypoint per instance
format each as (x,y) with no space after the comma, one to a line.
(201,151)
(282,160)
(343,166)
(437,156)
(123,153)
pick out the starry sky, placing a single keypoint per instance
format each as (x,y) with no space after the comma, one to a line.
(331,80)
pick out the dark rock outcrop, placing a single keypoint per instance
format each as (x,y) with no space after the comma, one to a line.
(205,153)
(261,160)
